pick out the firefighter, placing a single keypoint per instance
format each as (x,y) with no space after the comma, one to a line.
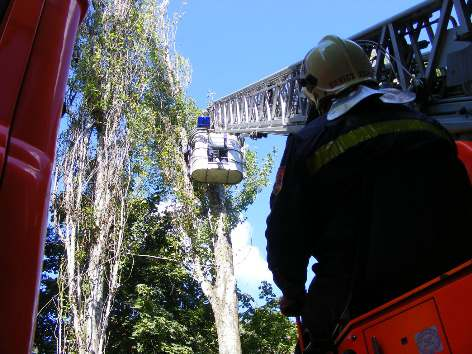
(371,188)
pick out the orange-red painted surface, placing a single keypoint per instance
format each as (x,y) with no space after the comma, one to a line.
(35,52)
(434,318)
(464,148)
(16,40)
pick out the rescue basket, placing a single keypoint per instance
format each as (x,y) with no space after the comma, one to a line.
(215,157)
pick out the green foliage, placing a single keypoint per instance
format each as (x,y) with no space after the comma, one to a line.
(256,177)
(264,329)
(159,307)
(45,335)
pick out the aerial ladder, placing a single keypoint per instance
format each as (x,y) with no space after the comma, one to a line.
(426,49)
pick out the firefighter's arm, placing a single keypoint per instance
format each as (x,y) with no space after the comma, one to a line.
(287,254)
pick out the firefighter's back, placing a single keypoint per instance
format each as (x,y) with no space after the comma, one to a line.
(394,202)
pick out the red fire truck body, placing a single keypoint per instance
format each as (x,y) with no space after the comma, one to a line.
(434,318)
(36,44)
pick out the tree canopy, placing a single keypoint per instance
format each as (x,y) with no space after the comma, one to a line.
(121,272)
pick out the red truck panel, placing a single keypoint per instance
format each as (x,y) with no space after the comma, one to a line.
(16,41)
(464,148)
(434,318)
(25,188)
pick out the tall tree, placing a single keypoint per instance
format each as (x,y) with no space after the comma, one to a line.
(204,216)
(103,153)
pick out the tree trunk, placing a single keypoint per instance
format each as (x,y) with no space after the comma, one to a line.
(94,245)
(220,289)
(224,302)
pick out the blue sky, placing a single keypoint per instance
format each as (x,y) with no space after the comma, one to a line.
(233,43)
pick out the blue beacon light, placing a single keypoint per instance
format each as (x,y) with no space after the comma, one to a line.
(203,122)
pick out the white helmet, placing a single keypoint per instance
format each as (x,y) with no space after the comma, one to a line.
(333,66)
(336,65)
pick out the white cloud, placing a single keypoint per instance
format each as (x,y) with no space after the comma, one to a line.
(165,206)
(249,265)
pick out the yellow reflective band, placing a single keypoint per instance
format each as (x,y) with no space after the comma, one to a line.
(336,147)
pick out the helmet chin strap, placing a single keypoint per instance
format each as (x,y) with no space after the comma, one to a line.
(321,105)
(308,94)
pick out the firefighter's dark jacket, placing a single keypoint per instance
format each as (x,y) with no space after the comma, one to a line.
(381,187)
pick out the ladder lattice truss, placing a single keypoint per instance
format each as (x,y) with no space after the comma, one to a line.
(428,44)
